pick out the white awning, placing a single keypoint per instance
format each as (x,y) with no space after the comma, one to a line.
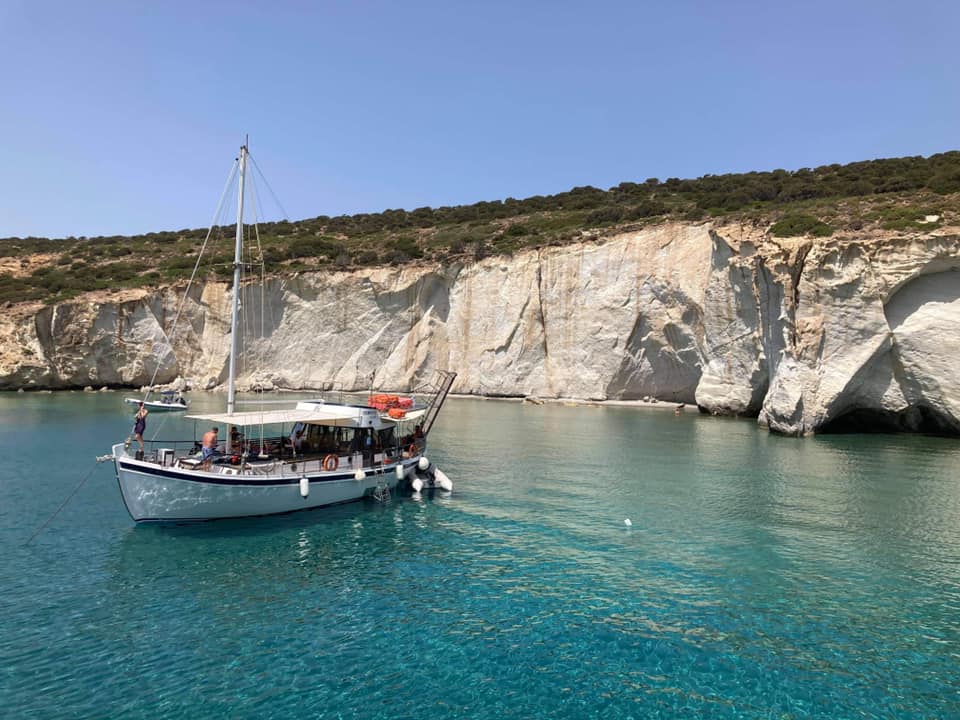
(412,415)
(305,412)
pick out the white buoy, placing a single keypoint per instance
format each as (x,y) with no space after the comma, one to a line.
(359,475)
(423,463)
(304,487)
(442,480)
(416,484)
(628,523)
(399,471)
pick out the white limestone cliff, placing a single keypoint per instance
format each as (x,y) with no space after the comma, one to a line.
(876,329)
(806,334)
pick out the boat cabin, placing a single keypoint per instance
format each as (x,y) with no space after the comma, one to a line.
(332,435)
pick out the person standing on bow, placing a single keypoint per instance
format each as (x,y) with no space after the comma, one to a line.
(139,425)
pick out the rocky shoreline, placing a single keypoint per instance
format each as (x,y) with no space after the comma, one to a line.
(807,335)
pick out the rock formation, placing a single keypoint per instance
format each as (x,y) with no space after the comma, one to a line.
(807,335)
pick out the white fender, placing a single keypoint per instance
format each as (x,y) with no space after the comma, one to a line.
(416,484)
(359,475)
(304,487)
(442,480)
(423,463)
(399,471)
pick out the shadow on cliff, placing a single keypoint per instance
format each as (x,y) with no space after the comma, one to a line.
(922,384)
(913,419)
(940,287)
(664,365)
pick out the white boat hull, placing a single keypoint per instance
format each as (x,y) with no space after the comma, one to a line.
(155,406)
(167,486)
(154,493)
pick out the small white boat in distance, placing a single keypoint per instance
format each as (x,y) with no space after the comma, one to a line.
(169,401)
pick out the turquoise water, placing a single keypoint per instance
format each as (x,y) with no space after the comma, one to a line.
(762,577)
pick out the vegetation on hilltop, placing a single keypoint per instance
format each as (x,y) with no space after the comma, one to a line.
(895,194)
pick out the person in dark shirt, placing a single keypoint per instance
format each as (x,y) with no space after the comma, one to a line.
(139,425)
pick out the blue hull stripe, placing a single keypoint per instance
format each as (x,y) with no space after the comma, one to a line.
(245,480)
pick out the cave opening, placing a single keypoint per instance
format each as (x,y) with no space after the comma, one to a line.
(914,419)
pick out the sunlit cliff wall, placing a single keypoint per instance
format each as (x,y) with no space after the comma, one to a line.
(804,334)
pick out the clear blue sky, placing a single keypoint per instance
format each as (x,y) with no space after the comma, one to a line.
(124,117)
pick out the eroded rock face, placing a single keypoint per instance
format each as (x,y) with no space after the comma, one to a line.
(81,343)
(875,325)
(805,334)
(736,377)
(625,319)
(909,381)
(924,320)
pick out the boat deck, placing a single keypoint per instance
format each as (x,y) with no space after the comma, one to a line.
(274,461)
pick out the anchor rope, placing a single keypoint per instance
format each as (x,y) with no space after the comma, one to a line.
(62,505)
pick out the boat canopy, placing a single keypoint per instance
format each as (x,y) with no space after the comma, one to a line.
(310,413)
(411,415)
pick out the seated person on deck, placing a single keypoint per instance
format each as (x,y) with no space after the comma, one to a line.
(296,441)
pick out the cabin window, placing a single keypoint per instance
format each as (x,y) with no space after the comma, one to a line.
(387,438)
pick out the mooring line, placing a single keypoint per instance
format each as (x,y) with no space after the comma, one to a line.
(62,505)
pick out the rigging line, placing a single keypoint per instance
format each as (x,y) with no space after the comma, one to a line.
(163,421)
(242,290)
(272,193)
(196,265)
(259,207)
(257,213)
(251,319)
(263,277)
(249,316)
(263,307)
(62,506)
(263,302)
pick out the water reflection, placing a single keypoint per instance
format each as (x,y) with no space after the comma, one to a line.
(761,575)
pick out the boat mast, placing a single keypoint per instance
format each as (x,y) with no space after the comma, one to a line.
(237,259)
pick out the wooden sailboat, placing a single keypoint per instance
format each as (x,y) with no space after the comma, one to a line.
(319,452)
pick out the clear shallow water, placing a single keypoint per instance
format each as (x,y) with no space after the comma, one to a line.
(762,577)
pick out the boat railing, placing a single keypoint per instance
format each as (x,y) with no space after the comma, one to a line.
(437,391)
(164,452)
(170,453)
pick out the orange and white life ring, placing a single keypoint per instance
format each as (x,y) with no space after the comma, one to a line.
(331,462)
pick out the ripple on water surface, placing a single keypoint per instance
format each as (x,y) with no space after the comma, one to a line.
(761,577)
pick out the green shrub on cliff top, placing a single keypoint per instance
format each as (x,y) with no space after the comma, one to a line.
(798,224)
(907,218)
(811,201)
